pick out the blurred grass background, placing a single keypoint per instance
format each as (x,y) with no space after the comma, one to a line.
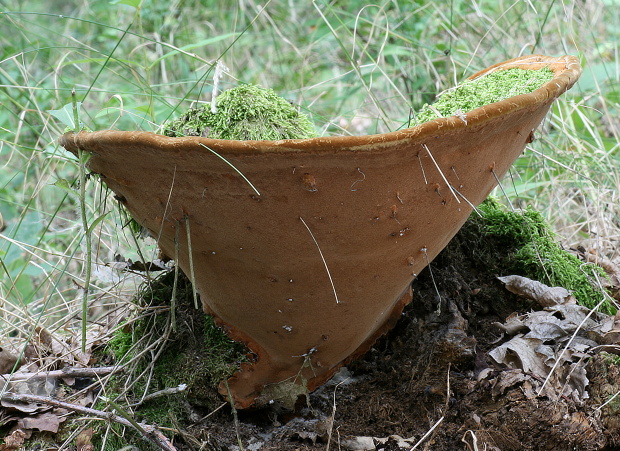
(354,67)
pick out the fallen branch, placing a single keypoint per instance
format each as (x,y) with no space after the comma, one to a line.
(57,374)
(150,433)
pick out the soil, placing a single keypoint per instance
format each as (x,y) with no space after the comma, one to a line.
(432,371)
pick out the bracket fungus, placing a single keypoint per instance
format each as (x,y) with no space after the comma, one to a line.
(310,263)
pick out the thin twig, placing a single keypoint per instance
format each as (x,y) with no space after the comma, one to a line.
(83,158)
(235,417)
(224,404)
(428,433)
(430,270)
(499,183)
(173,300)
(165,392)
(65,372)
(150,433)
(330,428)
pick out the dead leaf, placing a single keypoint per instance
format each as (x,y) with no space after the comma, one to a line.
(39,387)
(83,440)
(43,422)
(547,341)
(306,436)
(14,441)
(522,353)
(65,348)
(505,380)
(513,324)
(8,360)
(528,389)
(546,296)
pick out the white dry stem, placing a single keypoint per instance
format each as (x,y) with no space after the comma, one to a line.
(232,166)
(220,70)
(422,167)
(191,262)
(428,433)
(322,258)
(168,205)
(441,173)
(501,187)
(468,202)
(330,429)
(430,270)
(474,440)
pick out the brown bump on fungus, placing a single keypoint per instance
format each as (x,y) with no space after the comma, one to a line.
(334,258)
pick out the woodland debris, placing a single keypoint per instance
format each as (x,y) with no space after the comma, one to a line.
(363,443)
(553,344)
(46,421)
(14,441)
(63,373)
(8,360)
(150,433)
(537,291)
(612,281)
(83,440)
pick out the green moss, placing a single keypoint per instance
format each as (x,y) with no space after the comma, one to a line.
(120,344)
(496,86)
(197,354)
(530,249)
(247,112)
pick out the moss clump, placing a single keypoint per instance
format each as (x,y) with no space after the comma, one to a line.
(531,251)
(247,112)
(496,86)
(197,354)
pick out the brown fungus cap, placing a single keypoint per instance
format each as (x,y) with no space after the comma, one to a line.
(308,258)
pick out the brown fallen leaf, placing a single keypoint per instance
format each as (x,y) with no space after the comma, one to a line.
(365,443)
(512,325)
(505,380)
(523,353)
(39,387)
(8,360)
(83,440)
(13,441)
(42,422)
(610,331)
(531,289)
(553,345)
